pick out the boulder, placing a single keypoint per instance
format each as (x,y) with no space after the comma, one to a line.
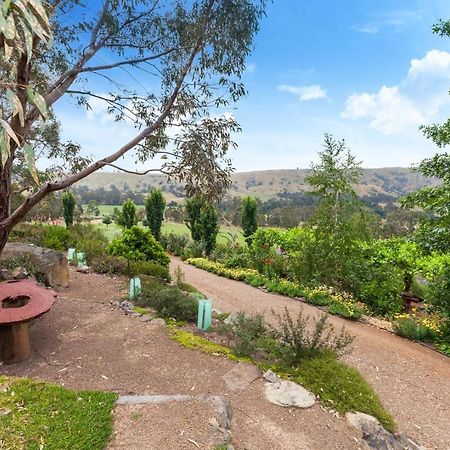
(51,263)
(287,393)
(376,436)
(241,376)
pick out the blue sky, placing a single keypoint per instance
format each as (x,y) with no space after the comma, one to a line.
(369,71)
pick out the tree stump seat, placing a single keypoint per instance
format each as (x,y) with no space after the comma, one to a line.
(20,302)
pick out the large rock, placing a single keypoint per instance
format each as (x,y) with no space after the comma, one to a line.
(241,376)
(376,436)
(287,393)
(51,263)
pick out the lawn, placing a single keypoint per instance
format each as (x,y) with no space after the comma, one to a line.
(38,415)
(224,236)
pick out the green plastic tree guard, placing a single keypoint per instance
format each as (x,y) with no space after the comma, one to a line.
(204,314)
(81,257)
(135,288)
(70,254)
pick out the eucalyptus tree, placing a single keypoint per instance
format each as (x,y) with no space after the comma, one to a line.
(191,54)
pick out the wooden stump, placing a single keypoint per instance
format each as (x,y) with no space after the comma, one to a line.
(14,343)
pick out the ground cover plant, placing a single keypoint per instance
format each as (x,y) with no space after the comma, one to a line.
(37,415)
(297,351)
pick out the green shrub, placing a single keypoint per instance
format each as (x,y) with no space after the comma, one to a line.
(439,291)
(410,329)
(111,265)
(169,302)
(137,268)
(174,243)
(297,342)
(56,238)
(343,310)
(318,298)
(28,233)
(137,244)
(24,262)
(246,334)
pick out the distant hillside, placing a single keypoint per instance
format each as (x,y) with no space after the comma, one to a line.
(266,184)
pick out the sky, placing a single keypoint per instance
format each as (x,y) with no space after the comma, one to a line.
(368,71)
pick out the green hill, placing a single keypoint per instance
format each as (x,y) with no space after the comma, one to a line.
(266,184)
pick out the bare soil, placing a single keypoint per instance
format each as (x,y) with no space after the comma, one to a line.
(412,380)
(86,343)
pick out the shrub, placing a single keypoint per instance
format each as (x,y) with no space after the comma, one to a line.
(136,268)
(439,291)
(56,238)
(410,329)
(297,342)
(246,334)
(318,298)
(28,233)
(346,311)
(174,243)
(137,244)
(170,303)
(24,262)
(111,265)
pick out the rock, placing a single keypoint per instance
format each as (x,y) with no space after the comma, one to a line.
(288,393)
(83,269)
(126,306)
(146,318)
(231,318)
(136,314)
(51,263)
(376,436)
(158,322)
(241,376)
(272,377)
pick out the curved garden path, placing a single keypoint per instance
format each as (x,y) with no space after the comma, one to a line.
(412,381)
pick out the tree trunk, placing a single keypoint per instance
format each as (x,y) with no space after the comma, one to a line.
(5,203)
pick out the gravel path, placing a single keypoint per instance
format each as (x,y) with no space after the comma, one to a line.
(412,381)
(85,343)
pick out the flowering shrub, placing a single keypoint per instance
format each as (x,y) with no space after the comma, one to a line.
(340,303)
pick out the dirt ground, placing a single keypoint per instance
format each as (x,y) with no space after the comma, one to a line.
(412,381)
(85,343)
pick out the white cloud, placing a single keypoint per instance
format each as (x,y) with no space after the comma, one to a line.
(392,19)
(368,28)
(435,63)
(416,100)
(388,110)
(304,93)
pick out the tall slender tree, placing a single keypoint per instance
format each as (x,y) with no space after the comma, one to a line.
(69,203)
(155,204)
(249,217)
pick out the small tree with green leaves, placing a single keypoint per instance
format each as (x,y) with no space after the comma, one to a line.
(194,207)
(249,217)
(155,204)
(127,217)
(339,221)
(92,208)
(209,225)
(69,203)
(107,220)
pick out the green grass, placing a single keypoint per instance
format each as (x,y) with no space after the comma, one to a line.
(35,415)
(225,233)
(338,386)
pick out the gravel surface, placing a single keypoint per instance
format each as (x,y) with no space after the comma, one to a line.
(85,343)
(412,380)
